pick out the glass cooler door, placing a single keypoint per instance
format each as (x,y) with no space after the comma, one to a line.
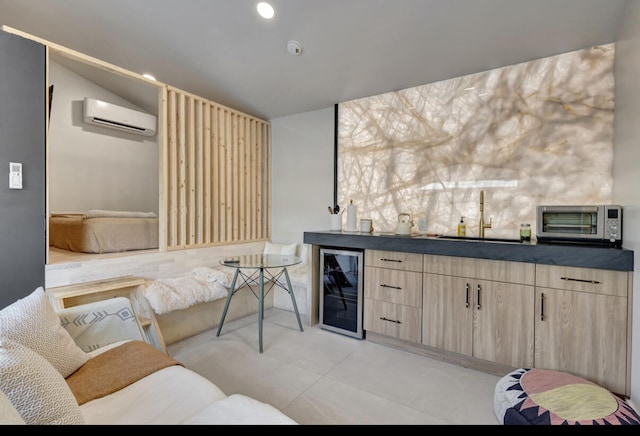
(342,291)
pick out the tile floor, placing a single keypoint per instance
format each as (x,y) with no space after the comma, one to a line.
(318,377)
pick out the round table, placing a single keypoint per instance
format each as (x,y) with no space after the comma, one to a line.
(251,270)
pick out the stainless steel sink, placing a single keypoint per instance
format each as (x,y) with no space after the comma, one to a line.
(474,238)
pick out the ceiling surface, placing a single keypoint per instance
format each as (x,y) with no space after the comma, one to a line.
(224,51)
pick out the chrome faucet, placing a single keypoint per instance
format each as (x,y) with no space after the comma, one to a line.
(483,225)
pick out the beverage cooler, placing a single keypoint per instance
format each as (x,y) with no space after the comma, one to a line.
(341,295)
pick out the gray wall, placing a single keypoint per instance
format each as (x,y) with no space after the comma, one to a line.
(22,140)
(627,162)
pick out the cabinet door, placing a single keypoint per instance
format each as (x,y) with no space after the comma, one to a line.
(503,323)
(447,312)
(583,334)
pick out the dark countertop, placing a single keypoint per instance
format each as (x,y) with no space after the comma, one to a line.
(619,259)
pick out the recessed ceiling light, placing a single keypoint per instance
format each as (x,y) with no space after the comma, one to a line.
(148,76)
(265,10)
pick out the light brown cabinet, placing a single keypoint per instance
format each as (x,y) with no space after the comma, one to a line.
(480,308)
(582,323)
(393,294)
(493,314)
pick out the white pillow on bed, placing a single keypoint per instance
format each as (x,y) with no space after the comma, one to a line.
(284,249)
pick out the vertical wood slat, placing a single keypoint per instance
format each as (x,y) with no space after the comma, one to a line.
(246,191)
(222,177)
(163,174)
(218,170)
(228,192)
(182,172)
(235,176)
(206,181)
(242,193)
(215,180)
(191,171)
(173,206)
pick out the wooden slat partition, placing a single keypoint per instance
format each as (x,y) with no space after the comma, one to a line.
(218,174)
(215,169)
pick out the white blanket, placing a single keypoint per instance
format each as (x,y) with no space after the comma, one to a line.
(203,285)
(166,295)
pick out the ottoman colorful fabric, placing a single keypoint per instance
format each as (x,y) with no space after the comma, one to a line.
(546,397)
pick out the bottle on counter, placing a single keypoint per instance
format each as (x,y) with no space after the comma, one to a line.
(462,227)
(525,232)
(352,217)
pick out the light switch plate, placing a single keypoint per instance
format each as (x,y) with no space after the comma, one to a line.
(15,175)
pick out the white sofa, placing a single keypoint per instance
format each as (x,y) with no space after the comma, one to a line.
(93,354)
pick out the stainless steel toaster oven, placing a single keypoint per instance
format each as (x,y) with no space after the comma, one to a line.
(598,225)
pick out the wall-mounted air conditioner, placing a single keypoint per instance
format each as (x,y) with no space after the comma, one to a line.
(113,116)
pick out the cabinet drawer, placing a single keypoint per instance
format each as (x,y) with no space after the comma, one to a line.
(394,286)
(394,320)
(394,260)
(485,269)
(597,281)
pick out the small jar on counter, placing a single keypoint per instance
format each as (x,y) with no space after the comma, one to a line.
(525,232)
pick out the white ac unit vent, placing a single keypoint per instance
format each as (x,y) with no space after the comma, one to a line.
(113,116)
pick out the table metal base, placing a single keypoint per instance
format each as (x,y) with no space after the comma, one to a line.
(249,280)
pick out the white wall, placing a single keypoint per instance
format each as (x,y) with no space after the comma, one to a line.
(301,174)
(627,161)
(93,167)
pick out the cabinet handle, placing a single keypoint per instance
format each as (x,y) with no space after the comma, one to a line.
(389,286)
(390,260)
(479,306)
(466,303)
(569,279)
(541,307)
(390,320)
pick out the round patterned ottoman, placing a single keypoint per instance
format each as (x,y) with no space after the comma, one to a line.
(546,397)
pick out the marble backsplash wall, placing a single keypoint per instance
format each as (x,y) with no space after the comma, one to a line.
(539,132)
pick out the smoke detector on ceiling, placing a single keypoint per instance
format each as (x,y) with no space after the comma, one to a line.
(294,48)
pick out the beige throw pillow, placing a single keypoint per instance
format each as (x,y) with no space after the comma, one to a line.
(33,322)
(35,388)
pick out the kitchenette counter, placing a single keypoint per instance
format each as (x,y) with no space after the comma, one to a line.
(574,255)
